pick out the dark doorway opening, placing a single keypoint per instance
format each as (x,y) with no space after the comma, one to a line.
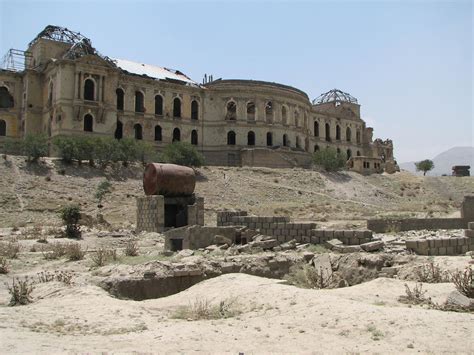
(175,216)
(176,244)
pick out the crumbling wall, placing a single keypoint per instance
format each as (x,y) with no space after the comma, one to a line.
(283,230)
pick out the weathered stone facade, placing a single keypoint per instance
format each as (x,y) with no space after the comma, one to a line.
(68,88)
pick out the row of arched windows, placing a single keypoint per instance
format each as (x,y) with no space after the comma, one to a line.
(231,112)
(137,130)
(231,139)
(327,132)
(348,151)
(140,104)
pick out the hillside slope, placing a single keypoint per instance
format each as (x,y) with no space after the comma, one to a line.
(446,160)
(32,194)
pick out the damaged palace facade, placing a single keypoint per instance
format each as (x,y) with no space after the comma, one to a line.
(62,86)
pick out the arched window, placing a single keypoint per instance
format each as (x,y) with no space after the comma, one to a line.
(138,131)
(158,133)
(348,134)
(194,111)
(231,138)
(284,115)
(158,105)
(297,118)
(139,102)
(231,113)
(250,111)
(251,138)
(176,135)
(269,112)
(3,128)
(6,100)
(316,128)
(285,140)
(316,148)
(328,132)
(88,123)
(269,139)
(358,136)
(176,107)
(298,144)
(89,90)
(358,153)
(50,95)
(338,133)
(120,97)
(194,137)
(349,154)
(119,130)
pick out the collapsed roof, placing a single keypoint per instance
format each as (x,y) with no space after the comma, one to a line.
(334,95)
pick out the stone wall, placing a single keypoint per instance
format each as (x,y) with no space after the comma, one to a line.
(151,213)
(400,225)
(195,237)
(283,230)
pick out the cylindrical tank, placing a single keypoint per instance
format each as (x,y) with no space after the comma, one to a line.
(168,180)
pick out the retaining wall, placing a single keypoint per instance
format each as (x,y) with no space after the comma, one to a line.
(400,225)
(283,230)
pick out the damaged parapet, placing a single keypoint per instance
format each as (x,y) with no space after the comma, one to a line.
(170,201)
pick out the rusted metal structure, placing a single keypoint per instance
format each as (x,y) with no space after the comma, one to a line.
(169,180)
(461,170)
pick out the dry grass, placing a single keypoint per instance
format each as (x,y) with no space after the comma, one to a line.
(20,291)
(60,276)
(203,309)
(464,282)
(74,252)
(131,249)
(10,249)
(53,251)
(306,276)
(415,295)
(102,256)
(431,273)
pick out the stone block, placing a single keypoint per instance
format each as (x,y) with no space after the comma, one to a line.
(442,251)
(450,251)
(314,240)
(338,234)
(469,233)
(330,244)
(453,242)
(433,251)
(470,225)
(328,234)
(445,242)
(318,233)
(372,246)
(348,234)
(411,244)
(438,243)
(422,244)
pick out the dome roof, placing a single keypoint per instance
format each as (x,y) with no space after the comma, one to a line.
(334,95)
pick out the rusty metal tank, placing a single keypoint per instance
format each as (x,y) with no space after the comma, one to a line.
(168,180)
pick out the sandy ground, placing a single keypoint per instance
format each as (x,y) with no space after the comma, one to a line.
(276,318)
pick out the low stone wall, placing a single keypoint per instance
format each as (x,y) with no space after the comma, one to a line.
(151,213)
(283,230)
(444,246)
(401,225)
(195,237)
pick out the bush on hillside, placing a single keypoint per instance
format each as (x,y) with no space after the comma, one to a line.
(329,159)
(182,153)
(35,146)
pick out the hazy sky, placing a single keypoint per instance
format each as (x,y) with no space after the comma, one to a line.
(409,63)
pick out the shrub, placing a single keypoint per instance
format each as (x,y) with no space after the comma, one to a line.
(464,282)
(70,216)
(182,153)
(74,252)
(430,273)
(102,189)
(10,249)
(415,296)
(54,251)
(131,249)
(203,309)
(60,276)
(107,149)
(67,148)
(103,255)
(307,276)
(35,146)
(85,149)
(20,292)
(4,267)
(329,159)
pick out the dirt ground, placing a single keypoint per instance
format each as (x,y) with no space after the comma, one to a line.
(271,316)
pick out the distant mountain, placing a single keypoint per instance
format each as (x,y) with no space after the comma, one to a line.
(444,162)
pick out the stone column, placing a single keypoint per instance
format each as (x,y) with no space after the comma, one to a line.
(150,214)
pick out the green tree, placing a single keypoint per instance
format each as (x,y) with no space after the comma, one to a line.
(425,166)
(70,215)
(182,153)
(102,189)
(329,159)
(85,149)
(35,146)
(66,147)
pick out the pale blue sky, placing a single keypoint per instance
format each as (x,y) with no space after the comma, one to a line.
(409,63)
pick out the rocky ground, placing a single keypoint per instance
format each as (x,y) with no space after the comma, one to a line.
(246,300)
